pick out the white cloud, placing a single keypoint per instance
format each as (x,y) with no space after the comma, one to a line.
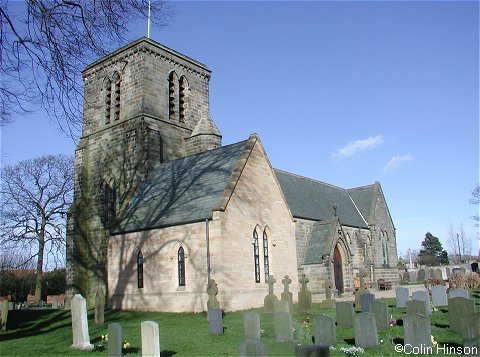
(358,146)
(396,161)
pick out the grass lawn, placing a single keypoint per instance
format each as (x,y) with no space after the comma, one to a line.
(46,332)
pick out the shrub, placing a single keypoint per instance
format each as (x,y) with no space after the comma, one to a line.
(468,281)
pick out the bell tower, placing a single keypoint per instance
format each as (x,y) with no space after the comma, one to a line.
(144,104)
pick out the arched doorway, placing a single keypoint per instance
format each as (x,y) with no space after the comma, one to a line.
(338,270)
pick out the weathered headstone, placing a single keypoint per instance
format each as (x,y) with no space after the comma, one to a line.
(416,307)
(417,331)
(282,306)
(251,325)
(328,303)
(114,340)
(212,291)
(150,339)
(423,296)
(413,276)
(474,267)
(271,298)
(304,296)
(287,295)
(252,348)
(439,295)
(283,326)
(402,295)
(447,270)
(365,330)
(463,270)
(312,351)
(438,274)
(4,314)
(81,339)
(362,290)
(431,273)
(55,304)
(324,330)
(458,309)
(345,313)
(471,334)
(365,301)
(100,306)
(10,306)
(421,276)
(458,293)
(380,310)
(215,321)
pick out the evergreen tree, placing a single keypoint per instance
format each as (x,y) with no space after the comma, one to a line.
(432,252)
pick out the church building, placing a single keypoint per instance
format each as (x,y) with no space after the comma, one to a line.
(161,207)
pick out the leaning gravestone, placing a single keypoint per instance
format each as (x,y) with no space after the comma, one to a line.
(416,307)
(312,351)
(324,330)
(81,339)
(287,295)
(271,298)
(380,310)
(439,295)
(365,330)
(251,325)
(402,295)
(215,322)
(100,306)
(365,301)
(114,340)
(421,276)
(471,333)
(283,326)
(212,291)
(252,348)
(458,309)
(458,293)
(150,339)
(304,296)
(345,313)
(4,315)
(423,296)
(417,331)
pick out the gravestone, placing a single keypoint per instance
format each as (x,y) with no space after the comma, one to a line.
(304,296)
(215,322)
(439,295)
(365,301)
(81,339)
(380,310)
(324,330)
(10,306)
(55,304)
(416,307)
(252,348)
(423,296)
(114,340)
(417,331)
(402,296)
(458,293)
(421,276)
(251,325)
(328,303)
(150,339)
(282,306)
(438,274)
(270,299)
(413,276)
(474,267)
(212,291)
(282,322)
(471,333)
(447,270)
(362,290)
(345,313)
(431,273)
(463,270)
(100,306)
(312,351)
(287,295)
(458,309)
(4,314)
(365,330)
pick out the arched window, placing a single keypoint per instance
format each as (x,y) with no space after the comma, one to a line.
(110,203)
(182,95)
(256,256)
(266,265)
(116,96)
(181,267)
(140,270)
(172,95)
(108,99)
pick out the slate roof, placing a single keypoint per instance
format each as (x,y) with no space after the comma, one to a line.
(314,200)
(363,197)
(181,191)
(320,242)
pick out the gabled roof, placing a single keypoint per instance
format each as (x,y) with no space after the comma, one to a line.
(363,198)
(184,190)
(315,200)
(319,242)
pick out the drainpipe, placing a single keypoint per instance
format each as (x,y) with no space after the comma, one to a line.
(207,240)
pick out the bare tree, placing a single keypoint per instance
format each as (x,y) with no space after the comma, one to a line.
(35,196)
(475,200)
(460,246)
(44,45)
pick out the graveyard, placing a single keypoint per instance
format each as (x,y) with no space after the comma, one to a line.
(401,320)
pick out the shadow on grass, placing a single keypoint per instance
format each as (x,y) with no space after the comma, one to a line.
(350,341)
(167,353)
(442,325)
(398,341)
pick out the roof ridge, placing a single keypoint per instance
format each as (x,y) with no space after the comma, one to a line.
(310,179)
(361,187)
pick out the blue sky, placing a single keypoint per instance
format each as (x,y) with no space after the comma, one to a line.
(348,93)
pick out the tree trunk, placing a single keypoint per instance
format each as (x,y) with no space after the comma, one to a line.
(39,274)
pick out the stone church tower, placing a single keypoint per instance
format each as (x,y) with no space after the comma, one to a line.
(144,104)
